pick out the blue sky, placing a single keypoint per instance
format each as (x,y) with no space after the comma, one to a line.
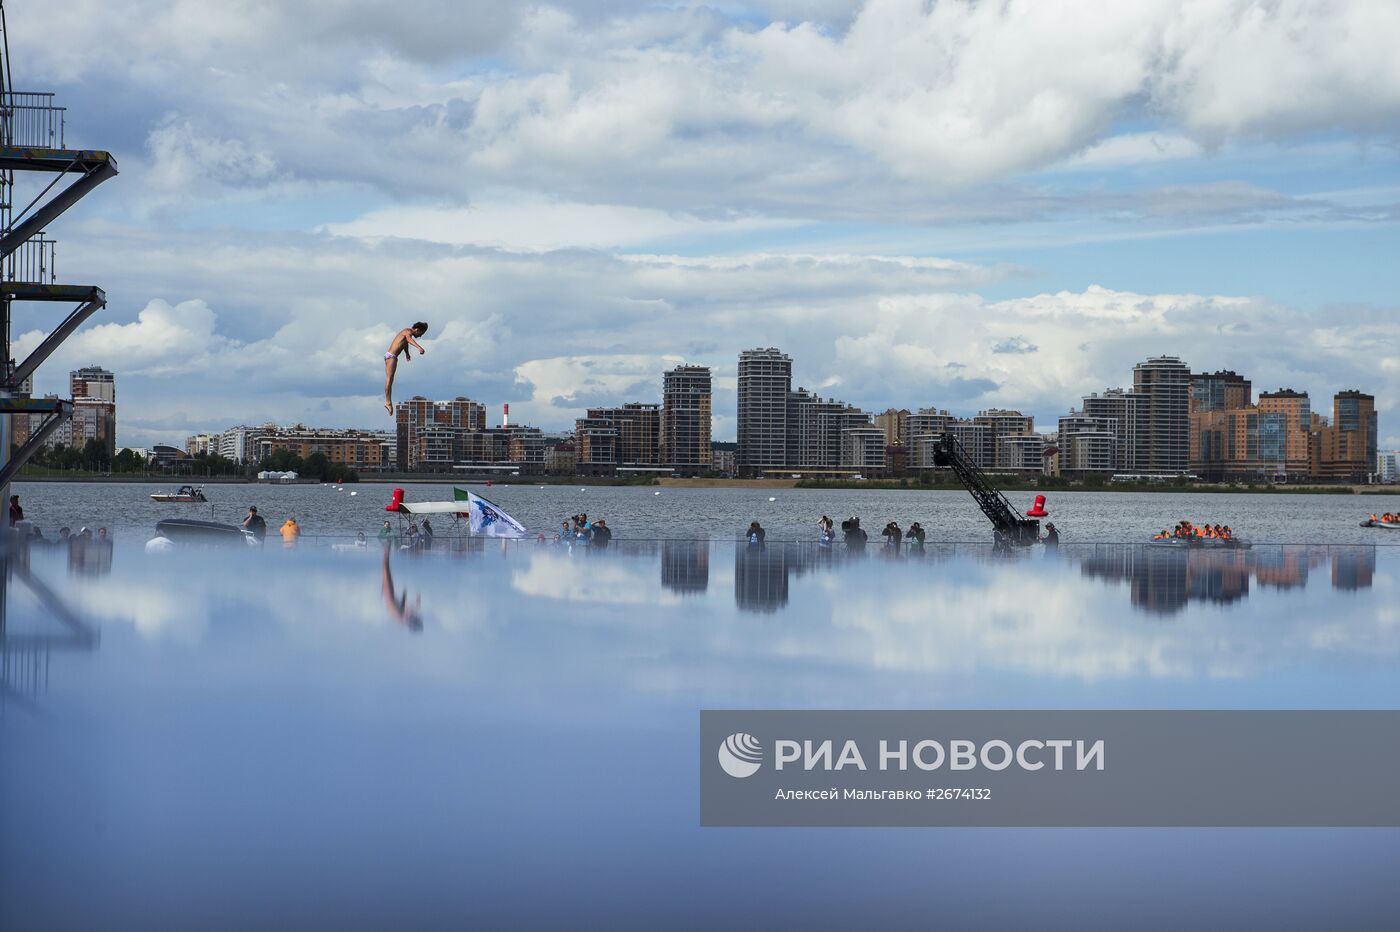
(578,194)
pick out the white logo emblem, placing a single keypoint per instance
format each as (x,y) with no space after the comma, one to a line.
(740,755)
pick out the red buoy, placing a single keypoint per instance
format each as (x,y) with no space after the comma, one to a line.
(397,502)
(1038,509)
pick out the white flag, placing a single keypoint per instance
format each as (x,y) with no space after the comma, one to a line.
(487,520)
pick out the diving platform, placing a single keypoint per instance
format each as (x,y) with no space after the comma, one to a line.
(22,405)
(91,166)
(39,159)
(89,299)
(56,411)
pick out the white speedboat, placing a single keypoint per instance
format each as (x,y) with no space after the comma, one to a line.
(188,494)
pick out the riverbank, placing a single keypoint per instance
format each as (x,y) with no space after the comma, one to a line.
(1017,485)
(174,481)
(675,482)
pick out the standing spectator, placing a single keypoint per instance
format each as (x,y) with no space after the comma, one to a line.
(755,534)
(16,512)
(893,534)
(254,524)
(386,534)
(915,535)
(602,534)
(290,532)
(427,535)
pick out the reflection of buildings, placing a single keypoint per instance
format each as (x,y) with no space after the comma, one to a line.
(1286,567)
(1353,567)
(762,573)
(1163,580)
(685,565)
(761,577)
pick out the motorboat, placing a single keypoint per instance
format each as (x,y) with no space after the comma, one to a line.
(188,494)
(204,533)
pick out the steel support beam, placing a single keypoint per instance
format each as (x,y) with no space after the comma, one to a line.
(52,209)
(32,445)
(60,333)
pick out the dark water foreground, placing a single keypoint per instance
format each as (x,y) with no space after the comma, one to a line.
(506,735)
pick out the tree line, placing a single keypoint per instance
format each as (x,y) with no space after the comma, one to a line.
(93,457)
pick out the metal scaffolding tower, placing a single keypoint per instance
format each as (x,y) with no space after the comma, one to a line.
(33,144)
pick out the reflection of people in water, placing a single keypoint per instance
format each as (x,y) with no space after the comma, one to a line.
(399,609)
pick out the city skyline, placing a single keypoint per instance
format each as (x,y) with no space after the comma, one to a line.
(587,221)
(1171,422)
(492,409)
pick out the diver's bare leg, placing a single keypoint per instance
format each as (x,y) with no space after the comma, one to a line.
(390,367)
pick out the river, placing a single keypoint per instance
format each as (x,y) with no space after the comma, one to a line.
(640,512)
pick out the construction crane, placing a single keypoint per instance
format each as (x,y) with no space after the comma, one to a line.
(32,140)
(1005,519)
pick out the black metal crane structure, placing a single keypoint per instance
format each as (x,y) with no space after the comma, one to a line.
(1018,530)
(33,145)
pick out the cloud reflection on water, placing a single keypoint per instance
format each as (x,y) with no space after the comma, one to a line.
(670,614)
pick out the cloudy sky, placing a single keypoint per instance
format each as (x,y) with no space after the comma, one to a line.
(946,203)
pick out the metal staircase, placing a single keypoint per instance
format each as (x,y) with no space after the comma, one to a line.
(1018,530)
(33,144)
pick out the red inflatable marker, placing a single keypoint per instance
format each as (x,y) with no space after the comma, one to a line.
(397,502)
(1038,509)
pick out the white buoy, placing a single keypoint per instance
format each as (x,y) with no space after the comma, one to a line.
(354,493)
(655,493)
(772,499)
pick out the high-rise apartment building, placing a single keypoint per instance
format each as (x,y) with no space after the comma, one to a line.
(1021,453)
(595,445)
(240,443)
(1285,421)
(94,392)
(1087,444)
(426,431)
(1345,450)
(999,424)
(1165,381)
(863,448)
(638,431)
(814,426)
(1388,466)
(1127,413)
(925,429)
(765,379)
(895,423)
(1219,391)
(686,409)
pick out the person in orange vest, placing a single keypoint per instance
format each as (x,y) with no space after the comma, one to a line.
(1225,532)
(290,532)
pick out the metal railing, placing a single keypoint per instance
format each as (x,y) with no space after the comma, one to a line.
(32,263)
(30,120)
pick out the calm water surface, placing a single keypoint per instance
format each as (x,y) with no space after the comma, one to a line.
(505,736)
(639,512)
